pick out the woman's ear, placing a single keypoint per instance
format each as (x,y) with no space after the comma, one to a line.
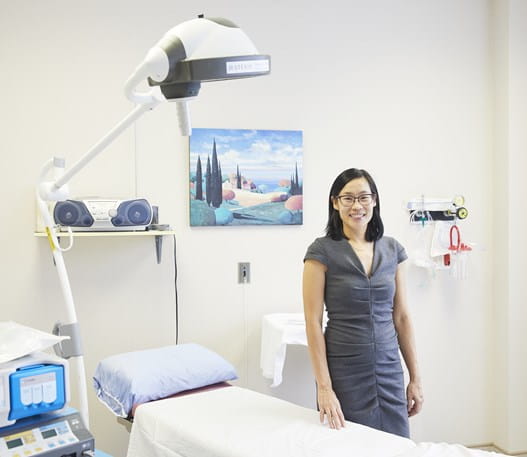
(335,203)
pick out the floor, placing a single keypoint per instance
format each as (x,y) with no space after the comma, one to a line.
(494,449)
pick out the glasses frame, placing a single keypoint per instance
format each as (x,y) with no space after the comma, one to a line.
(356,199)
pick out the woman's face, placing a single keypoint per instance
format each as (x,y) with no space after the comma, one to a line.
(355,204)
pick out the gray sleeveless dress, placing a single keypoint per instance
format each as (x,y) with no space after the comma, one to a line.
(361,341)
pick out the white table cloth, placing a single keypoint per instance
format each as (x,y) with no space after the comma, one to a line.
(279,330)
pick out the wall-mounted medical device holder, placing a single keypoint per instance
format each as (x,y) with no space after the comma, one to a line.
(423,210)
(72,346)
(31,385)
(444,250)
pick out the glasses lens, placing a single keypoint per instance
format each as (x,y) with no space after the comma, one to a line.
(347,200)
(365,199)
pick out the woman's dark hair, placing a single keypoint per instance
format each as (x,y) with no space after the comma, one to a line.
(334,230)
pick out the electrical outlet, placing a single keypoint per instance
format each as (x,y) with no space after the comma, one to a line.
(244,272)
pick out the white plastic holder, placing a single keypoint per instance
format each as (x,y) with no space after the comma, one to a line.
(71,315)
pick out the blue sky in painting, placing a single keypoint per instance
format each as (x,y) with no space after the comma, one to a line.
(262,155)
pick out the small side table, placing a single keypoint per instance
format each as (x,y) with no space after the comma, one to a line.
(279,330)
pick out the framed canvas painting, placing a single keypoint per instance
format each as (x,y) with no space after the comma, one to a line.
(245,177)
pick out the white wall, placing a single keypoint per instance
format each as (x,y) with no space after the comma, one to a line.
(403,89)
(510,315)
(517,222)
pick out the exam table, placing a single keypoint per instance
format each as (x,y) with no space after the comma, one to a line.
(181,404)
(238,422)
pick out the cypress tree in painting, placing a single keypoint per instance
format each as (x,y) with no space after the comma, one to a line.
(215,181)
(208,182)
(220,182)
(296,188)
(199,179)
(238,178)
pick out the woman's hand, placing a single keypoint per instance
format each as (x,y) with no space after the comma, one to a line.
(414,397)
(329,406)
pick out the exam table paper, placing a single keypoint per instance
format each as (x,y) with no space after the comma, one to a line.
(238,422)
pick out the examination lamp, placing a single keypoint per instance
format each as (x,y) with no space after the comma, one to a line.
(196,51)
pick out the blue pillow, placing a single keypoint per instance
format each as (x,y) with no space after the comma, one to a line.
(124,380)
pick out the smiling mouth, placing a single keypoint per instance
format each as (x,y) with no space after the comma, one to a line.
(357,215)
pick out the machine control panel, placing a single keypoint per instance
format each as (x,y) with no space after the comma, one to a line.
(55,435)
(37,440)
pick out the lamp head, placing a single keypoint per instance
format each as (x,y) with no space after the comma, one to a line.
(202,50)
(195,51)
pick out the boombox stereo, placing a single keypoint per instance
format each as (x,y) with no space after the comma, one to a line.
(103,214)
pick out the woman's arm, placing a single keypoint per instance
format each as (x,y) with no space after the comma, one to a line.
(404,328)
(313,291)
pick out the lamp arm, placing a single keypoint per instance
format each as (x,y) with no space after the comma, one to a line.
(47,193)
(155,66)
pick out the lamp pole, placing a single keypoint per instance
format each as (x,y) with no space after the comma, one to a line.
(56,190)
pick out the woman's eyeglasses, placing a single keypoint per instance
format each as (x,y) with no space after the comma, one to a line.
(349,200)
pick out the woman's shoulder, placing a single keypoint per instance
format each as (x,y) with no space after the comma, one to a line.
(388,240)
(325,241)
(390,244)
(322,239)
(325,250)
(322,247)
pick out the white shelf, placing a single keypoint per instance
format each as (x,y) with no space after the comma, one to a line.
(158,234)
(114,233)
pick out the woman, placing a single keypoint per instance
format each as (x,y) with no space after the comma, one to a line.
(359,275)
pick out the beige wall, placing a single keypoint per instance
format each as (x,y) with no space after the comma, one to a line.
(404,89)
